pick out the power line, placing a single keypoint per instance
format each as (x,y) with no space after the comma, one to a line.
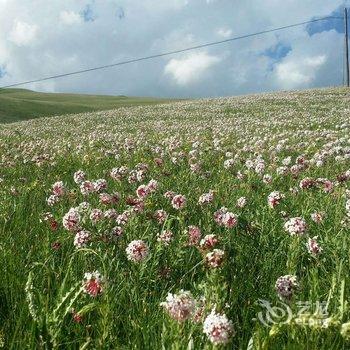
(170,52)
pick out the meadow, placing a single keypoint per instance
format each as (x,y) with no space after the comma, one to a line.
(206,224)
(22,104)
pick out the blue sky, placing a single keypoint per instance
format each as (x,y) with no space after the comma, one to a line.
(37,40)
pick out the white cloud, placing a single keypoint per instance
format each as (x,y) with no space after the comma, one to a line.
(22,33)
(70,17)
(40,38)
(191,68)
(224,32)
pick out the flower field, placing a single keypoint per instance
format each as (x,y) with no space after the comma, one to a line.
(216,223)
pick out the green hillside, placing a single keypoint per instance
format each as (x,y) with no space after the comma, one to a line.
(22,104)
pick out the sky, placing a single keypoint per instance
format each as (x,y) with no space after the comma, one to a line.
(40,38)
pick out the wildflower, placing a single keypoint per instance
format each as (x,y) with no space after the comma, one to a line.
(179,306)
(110,214)
(100,184)
(317,217)
(152,185)
(160,215)
(218,328)
(87,187)
(199,310)
(209,242)
(285,286)
(56,245)
(142,191)
(137,251)
(229,220)
(282,170)
(345,330)
(71,220)
(96,215)
(58,189)
(178,201)
(169,194)
(165,237)
(117,231)
(194,234)
(206,198)
(52,200)
(260,167)
(105,198)
(307,183)
(274,198)
(229,163)
(295,226)
(81,238)
(326,184)
(215,258)
(77,318)
(79,177)
(313,247)
(241,202)
(267,179)
(219,215)
(92,283)
(123,218)
(83,207)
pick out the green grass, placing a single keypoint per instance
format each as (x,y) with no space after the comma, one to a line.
(42,271)
(21,104)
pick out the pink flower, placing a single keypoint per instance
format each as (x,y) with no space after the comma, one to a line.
(137,251)
(87,187)
(179,306)
(215,258)
(142,191)
(209,242)
(117,231)
(100,184)
(285,286)
(313,247)
(58,189)
(218,328)
(160,215)
(229,220)
(317,217)
(81,238)
(92,283)
(178,202)
(165,237)
(206,198)
(307,183)
(295,226)
(194,234)
(71,220)
(152,185)
(79,176)
(274,198)
(96,215)
(219,215)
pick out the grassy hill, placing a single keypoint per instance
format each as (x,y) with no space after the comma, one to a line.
(22,104)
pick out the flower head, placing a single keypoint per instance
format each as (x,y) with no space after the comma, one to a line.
(179,306)
(92,283)
(295,226)
(285,286)
(137,251)
(218,328)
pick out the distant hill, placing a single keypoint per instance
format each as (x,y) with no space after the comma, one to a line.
(22,104)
